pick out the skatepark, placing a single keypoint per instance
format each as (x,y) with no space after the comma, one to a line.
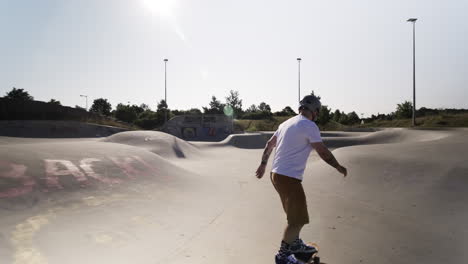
(150,197)
(134,132)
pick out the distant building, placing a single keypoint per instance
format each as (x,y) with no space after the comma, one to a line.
(200,127)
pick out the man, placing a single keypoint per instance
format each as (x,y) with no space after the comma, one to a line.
(294,140)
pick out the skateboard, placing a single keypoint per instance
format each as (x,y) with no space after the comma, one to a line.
(309,258)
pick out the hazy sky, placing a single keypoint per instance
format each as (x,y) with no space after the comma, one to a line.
(357,55)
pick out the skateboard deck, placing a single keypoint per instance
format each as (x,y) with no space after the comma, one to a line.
(311,258)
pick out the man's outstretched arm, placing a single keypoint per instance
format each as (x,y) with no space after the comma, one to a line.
(326,155)
(271,144)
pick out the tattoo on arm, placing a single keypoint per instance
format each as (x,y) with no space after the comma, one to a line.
(331,160)
(268,149)
(266,154)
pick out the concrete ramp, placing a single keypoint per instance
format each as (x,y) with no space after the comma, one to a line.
(32,172)
(343,139)
(398,201)
(386,136)
(90,201)
(248,140)
(131,198)
(160,143)
(54,129)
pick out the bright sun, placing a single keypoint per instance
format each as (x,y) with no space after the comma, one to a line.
(163,8)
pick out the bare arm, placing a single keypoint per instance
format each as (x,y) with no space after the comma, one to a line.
(271,144)
(326,155)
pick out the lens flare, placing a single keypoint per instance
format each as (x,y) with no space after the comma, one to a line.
(228,110)
(163,8)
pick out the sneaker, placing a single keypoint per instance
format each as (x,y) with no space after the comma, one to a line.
(285,259)
(298,246)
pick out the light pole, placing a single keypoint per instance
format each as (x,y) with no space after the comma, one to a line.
(299,77)
(165,89)
(413,20)
(86,100)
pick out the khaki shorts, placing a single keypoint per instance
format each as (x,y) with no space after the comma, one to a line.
(292,197)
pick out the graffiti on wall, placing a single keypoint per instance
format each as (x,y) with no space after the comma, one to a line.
(16,180)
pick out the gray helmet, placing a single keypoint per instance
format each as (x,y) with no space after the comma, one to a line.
(311,102)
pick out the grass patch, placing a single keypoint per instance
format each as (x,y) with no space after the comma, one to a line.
(442,120)
(109,122)
(260,125)
(439,121)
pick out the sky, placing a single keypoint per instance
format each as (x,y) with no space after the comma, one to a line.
(357,55)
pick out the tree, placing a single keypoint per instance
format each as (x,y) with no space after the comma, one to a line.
(148,120)
(337,115)
(178,112)
(343,118)
(101,106)
(161,112)
(145,107)
(404,110)
(287,111)
(137,109)
(252,109)
(162,105)
(263,111)
(215,106)
(194,111)
(235,102)
(353,118)
(125,113)
(80,108)
(54,102)
(18,94)
(264,107)
(324,115)
(423,111)
(191,111)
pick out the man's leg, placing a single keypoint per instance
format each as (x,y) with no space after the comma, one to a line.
(291,233)
(298,216)
(287,188)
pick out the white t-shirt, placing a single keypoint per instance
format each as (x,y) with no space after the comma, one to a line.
(293,147)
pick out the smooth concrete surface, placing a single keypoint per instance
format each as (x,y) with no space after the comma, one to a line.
(148,197)
(55,129)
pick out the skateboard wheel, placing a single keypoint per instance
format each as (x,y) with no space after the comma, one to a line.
(316,260)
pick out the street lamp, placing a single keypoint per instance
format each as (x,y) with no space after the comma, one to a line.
(165,89)
(413,20)
(86,100)
(299,77)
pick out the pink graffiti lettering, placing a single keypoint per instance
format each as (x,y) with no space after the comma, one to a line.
(150,167)
(17,171)
(10,172)
(147,165)
(126,165)
(53,172)
(86,166)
